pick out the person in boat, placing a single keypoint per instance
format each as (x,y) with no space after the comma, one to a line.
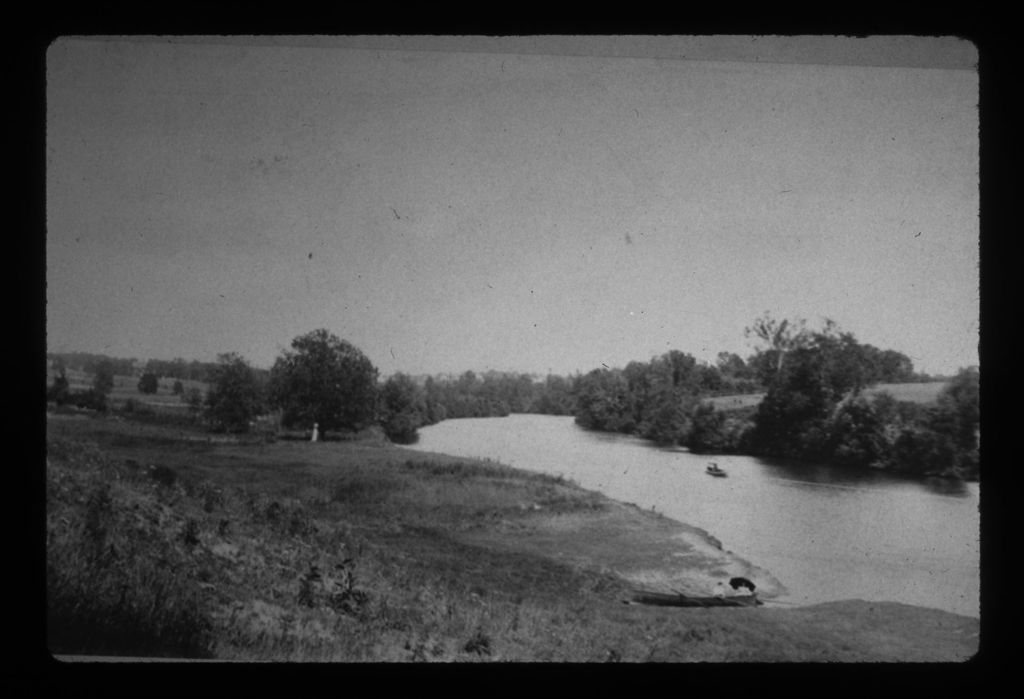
(714,467)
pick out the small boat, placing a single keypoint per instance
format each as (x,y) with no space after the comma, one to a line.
(662,599)
(714,470)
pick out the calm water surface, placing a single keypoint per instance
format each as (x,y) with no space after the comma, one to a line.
(825,533)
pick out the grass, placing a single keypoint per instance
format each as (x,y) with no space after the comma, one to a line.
(913,392)
(162,543)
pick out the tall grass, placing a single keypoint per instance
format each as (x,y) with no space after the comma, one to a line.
(116,584)
(350,553)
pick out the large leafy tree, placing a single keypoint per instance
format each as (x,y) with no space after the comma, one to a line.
(781,337)
(235,396)
(326,380)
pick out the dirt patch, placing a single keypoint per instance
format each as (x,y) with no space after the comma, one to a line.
(645,549)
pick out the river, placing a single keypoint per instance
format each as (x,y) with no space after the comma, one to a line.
(826,533)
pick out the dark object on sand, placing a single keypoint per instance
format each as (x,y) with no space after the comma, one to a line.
(737,583)
(662,599)
(714,470)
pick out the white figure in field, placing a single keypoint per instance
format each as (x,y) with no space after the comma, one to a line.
(316,432)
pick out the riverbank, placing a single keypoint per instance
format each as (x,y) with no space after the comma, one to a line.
(362,551)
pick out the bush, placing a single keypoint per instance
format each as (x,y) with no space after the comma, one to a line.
(90,399)
(149,383)
(59,391)
(716,432)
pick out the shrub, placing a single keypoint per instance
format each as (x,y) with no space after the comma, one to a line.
(90,399)
(149,383)
(60,391)
(164,475)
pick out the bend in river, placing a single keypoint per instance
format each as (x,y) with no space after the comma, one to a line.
(826,533)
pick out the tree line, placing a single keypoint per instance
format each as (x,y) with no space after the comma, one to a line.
(89,363)
(812,380)
(813,408)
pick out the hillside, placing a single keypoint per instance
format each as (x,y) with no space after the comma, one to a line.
(165,542)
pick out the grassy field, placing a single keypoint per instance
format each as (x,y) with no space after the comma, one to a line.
(737,402)
(912,392)
(164,542)
(127,388)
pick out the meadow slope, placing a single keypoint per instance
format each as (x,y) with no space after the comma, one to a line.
(165,542)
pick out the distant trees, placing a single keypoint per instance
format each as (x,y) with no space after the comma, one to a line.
(604,402)
(180,369)
(820,370)
(235,396)
(325,380)
(554,397)
(654,400)
(103,379)
(813,407)
(60,390)
(193,398)
(148,383)
(178,388)
(781,337)
(715,431)
(939,439)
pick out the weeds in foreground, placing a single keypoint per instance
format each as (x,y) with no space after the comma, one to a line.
(110,591)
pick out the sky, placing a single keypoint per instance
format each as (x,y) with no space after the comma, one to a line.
(465,204)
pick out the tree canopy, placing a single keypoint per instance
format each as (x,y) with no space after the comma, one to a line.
(326,380)
(148,383)
(235,396)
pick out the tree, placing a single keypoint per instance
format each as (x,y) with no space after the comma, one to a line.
(149,383)
(324,380)
(193,398)
(781,337)
(402,409)
(731,366)
(792,418)
(60,390)
(234,398)
(103,381)
(961,400)
(179,388)
(603,402)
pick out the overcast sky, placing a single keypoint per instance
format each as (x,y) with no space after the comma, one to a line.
(480,208)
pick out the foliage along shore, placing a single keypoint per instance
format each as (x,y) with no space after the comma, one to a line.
(816,403)
(161,543)
(817,406)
